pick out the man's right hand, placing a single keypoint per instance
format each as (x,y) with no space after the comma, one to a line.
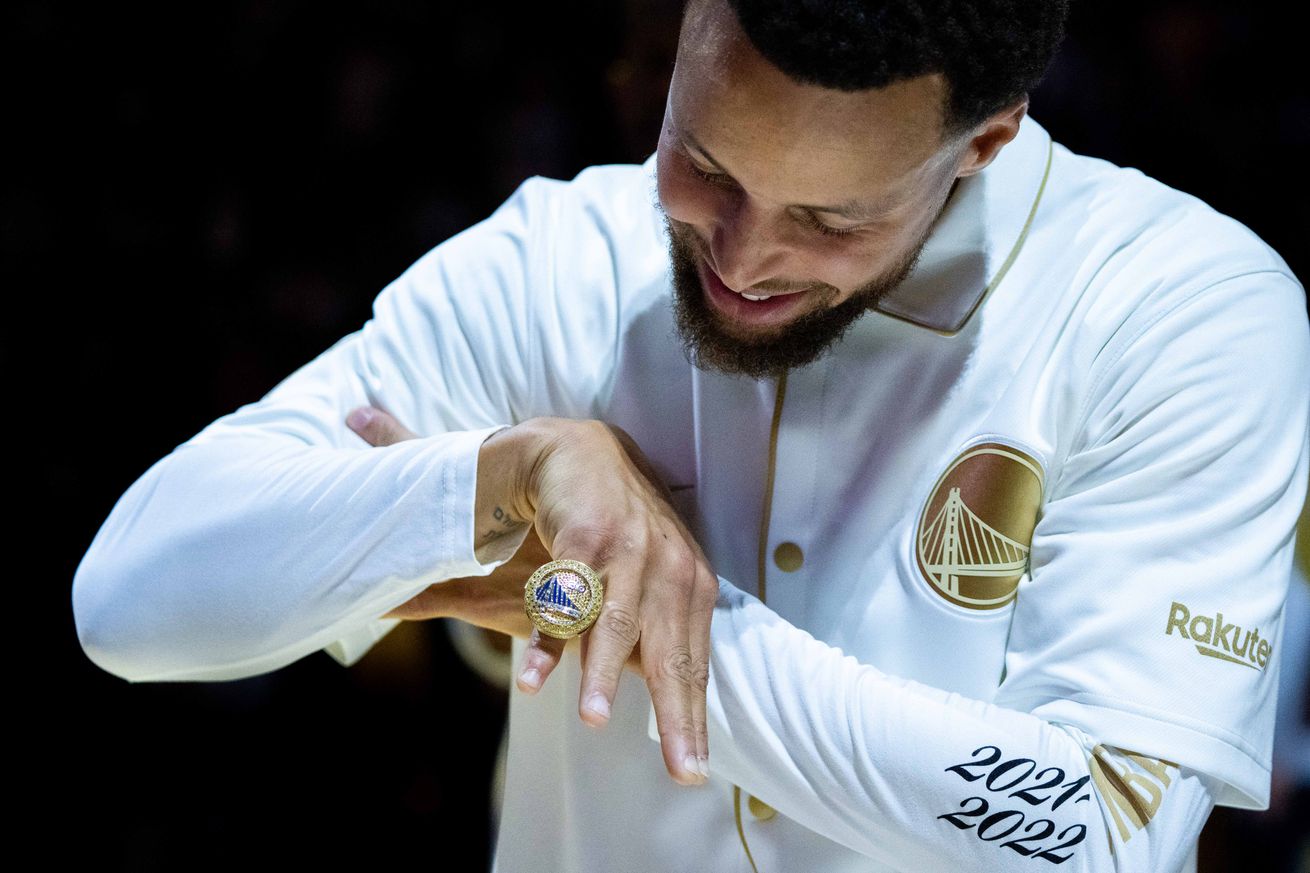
(594,497)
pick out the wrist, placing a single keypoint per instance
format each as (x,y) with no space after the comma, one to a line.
(506,499)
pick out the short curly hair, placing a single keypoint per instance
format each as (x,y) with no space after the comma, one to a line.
(991,52)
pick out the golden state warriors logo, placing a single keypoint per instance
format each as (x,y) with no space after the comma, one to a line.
(977,527)
(563,598)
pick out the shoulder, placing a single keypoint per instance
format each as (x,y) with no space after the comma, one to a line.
(1155,244)
(588,256)
(611,202)
(590,238)
(1151,272)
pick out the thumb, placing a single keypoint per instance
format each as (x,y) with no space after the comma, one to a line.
(378,428)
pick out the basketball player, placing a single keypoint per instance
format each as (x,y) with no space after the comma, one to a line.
(943,481)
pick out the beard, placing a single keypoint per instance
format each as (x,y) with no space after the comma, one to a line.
(709,346)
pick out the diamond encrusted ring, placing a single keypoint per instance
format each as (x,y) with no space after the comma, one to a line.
(563,598)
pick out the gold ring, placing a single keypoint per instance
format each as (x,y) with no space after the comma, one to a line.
(563,598)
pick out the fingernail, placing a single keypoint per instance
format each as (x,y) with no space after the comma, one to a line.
(599,705)
(704,766)
(692,766)
(531,677)
(360,418)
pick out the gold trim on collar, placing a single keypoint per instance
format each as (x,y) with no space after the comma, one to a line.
(1000,274)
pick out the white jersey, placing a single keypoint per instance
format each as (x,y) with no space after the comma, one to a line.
(1001,575)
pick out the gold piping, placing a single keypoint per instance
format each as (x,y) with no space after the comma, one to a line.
(1005,267)
(1302,553)
(779,396)
(741,832)
(768,483)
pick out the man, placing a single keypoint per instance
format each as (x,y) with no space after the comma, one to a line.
(1009,461)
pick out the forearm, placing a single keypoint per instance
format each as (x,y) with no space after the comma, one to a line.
(920,779)
(237,555)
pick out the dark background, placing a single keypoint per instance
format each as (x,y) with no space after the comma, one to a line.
(199,201)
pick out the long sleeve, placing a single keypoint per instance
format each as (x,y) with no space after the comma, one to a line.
(237,556)
(276,531)
(921,779)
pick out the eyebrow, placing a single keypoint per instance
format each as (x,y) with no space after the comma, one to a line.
(853,210)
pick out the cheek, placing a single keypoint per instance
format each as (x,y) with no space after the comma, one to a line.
(849,267)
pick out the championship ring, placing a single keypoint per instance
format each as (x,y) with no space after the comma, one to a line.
(563,598)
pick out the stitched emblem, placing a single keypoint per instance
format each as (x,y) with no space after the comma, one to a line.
(976,529)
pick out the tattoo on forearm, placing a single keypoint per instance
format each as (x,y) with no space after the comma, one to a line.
(502,523)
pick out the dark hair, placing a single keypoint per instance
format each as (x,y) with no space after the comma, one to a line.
(991,51)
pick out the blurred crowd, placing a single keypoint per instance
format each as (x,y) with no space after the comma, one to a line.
(206,195)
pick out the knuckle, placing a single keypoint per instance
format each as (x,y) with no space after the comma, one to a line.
(674,666)
(707,582)
(700,676)
(683,565)
(384,428)
(619,624)
(591,542)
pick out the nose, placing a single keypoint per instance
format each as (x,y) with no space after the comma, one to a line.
(746,245)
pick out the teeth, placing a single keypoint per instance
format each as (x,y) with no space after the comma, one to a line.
(749,297)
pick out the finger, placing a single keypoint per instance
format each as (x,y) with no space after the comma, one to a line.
(700,615)
(609,643)
(669,666)
(540,659)
(634,660)
(377,427)
(670,692)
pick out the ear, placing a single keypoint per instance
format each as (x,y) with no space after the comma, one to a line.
(991,136)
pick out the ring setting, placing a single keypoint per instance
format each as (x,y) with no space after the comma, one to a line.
(563,598)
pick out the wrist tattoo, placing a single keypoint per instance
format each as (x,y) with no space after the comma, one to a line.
(502,523)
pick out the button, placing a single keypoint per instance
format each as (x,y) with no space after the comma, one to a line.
(788,557)
(760,809)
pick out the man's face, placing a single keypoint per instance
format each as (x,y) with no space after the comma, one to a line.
(820,198)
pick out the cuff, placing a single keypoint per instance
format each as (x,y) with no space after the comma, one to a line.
(456,469)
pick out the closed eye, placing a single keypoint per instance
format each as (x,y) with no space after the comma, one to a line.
(712,178)
(808,219)
(812,222)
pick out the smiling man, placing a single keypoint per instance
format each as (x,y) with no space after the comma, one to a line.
(793,207)
(983,462)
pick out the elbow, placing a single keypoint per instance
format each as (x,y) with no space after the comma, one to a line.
(113,631)
(138,597)
(139,620)
(118,626)
(135,619)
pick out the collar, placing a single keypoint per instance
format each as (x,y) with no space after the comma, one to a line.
(976,238)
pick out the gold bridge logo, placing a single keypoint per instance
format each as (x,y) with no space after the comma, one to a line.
(976,529)
(1216,638)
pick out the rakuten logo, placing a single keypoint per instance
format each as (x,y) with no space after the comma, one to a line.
(1216,639)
